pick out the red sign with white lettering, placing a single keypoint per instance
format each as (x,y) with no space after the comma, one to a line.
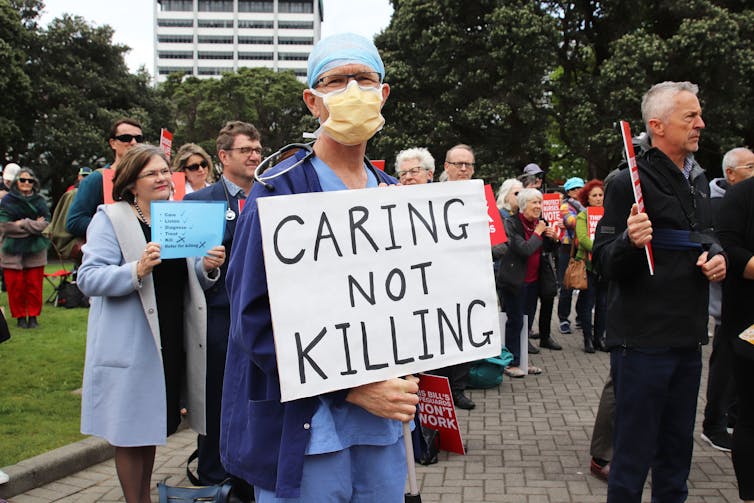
(497,229)
(437,411)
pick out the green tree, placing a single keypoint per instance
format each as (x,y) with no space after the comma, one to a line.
(16,37)
(81,85)
(613,51)
(270,100)
(468,72)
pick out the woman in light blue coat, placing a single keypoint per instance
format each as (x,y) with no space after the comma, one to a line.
(146,338)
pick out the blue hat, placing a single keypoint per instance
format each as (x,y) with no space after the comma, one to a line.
(342,49)
(85,171)
(573,183)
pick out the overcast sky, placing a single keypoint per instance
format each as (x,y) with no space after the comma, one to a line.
(132,21)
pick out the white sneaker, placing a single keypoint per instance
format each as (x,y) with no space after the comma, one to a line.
(3,477)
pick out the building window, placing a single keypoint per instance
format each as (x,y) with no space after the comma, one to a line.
(258,56)
(300,73)
(295,40)
(175,39)
(213,71)
(176,5)
(296,25)
(297,7)
(175,23)
(168,71)
(175,55)
(255,6)
(215,23)
(215,5)
(255,24)
(215,39)
(255,40)
(215,55)
(292,56)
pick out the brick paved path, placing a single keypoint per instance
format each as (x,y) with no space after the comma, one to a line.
(528,442)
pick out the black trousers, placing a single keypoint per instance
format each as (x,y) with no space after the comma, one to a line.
(720,386)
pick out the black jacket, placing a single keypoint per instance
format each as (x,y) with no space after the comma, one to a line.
(736,229)
(512,271)
(668,309)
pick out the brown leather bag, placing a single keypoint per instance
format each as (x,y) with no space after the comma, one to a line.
(575,274)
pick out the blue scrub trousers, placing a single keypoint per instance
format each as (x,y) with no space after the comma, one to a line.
(359,474)
(655,392)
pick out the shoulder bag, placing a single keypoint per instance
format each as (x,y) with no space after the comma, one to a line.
(575,274)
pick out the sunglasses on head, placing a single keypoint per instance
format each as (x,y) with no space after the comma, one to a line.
(25,180)
(194,167)
(126,138)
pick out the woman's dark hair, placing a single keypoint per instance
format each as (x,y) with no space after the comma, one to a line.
(583,195)
(129,167)
(30,174)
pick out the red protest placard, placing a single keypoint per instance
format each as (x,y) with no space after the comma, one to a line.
(107,185)
(379,164)
(551,207)
(636,184)
(436,411)
(593,215)
(497,230)
(166,142)
(241,204)
(179,185)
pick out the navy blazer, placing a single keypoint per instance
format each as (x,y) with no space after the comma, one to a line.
(217,296)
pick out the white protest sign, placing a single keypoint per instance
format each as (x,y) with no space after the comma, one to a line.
(370,284)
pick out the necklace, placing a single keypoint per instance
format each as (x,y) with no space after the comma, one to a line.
(140,213)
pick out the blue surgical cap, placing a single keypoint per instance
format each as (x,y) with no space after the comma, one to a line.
(343,49)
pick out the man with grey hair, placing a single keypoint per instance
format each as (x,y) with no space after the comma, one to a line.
(414,166)
(658,322)
(738,165)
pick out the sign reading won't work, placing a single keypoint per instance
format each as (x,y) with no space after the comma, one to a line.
(370,284)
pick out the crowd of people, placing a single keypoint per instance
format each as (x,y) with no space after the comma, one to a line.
(192,339)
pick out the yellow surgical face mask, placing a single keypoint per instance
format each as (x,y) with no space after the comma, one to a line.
(354,113)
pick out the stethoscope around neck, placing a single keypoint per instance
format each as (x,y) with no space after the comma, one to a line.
(286,152)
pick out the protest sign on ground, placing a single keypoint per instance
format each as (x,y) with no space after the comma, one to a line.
(370,284)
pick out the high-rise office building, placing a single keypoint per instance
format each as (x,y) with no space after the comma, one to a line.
(208,37)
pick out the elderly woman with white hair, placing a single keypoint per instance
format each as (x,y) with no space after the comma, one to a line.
(519,275)
(414,166)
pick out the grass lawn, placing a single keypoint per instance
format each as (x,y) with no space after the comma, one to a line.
(41,373)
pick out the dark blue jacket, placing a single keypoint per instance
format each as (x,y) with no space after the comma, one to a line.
(263,440)
(217,295)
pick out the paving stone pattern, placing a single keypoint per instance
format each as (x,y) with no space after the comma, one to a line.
(528,442)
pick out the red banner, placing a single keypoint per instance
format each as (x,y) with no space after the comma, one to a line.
(497,229)
(166,142)
(437,411)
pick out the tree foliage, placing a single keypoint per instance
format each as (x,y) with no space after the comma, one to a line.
(269,100)
(467,72)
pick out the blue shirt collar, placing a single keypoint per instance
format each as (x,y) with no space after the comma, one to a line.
(234,189)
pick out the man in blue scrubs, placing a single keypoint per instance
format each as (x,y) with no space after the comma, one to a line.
(344,446)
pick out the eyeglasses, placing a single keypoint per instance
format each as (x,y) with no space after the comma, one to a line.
(196,166)
(335,82)
(462,165)
(127,138)
(25,180)
(413,172)
(164,173)
(246,150)
(749,166)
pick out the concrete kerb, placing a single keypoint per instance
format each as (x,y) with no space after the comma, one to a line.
(53,465)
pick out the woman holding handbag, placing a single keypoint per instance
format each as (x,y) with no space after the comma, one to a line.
(594,297)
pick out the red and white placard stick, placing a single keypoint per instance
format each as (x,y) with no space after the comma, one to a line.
(634,170)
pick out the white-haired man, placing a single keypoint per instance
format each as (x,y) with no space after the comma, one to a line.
(658,323)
